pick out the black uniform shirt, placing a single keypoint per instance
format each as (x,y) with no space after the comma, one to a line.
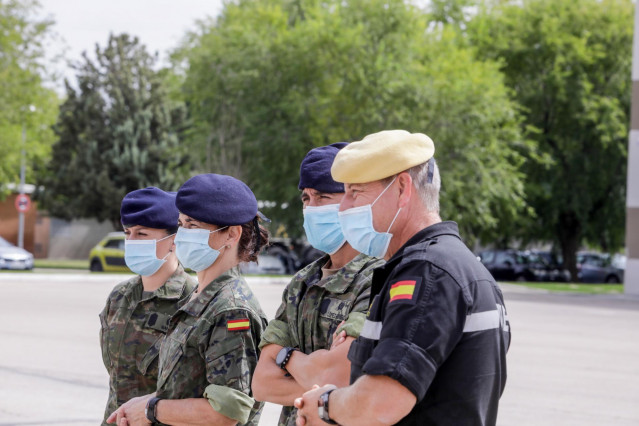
(437,324)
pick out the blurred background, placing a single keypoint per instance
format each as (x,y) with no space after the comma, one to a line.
(528,103)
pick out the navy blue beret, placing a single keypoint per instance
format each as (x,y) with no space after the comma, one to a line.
(150,207)
(315,171)
(217,199)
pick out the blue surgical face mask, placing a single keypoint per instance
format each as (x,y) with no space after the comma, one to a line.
(357,226)
(192,248)
(140,256)
(322,227)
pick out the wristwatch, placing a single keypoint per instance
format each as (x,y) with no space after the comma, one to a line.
(151,410)
(322,409)
(283,356)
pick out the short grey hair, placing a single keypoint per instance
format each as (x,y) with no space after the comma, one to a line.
(428,192)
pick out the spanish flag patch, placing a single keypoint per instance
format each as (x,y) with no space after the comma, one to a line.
(238,325)
(402,290)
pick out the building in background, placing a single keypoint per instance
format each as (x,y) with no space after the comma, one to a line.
(50,238)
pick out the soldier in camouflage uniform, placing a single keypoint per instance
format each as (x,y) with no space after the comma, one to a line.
(211,349)
(329,293)
(137,312)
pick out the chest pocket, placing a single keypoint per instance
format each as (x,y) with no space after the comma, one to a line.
(335,309)
(146,364)
(332,312)
(171,351)
(157,321)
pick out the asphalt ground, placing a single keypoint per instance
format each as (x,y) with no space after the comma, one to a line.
(574,359)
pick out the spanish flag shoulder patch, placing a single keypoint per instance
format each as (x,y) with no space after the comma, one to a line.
(238,325)
(406,289)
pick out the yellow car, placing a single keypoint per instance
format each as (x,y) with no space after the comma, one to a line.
(108,254)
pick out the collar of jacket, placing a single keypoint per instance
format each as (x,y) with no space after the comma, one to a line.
(196,306)
(340,281)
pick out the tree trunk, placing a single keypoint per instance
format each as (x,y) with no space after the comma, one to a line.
(569,234)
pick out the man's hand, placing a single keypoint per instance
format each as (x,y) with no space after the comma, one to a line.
(307,413)
(131,413)
(338,338)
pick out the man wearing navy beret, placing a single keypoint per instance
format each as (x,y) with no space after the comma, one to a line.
(325,301)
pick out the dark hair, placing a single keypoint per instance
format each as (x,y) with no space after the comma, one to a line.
(250,242)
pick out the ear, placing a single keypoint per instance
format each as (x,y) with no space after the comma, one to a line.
(405,184)
(233,235)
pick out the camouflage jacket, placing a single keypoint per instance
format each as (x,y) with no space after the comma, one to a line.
(213,340)
(133,323)
(312,308)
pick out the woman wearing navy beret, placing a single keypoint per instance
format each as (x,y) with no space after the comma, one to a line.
(211,349)
(137,312)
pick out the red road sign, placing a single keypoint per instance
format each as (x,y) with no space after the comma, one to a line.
(23,203)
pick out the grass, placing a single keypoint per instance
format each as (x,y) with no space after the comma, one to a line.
(61,263)
(575,288)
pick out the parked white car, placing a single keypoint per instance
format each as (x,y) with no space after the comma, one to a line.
(12,257)
(266,264)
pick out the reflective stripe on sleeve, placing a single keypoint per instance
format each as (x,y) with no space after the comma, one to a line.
(371,330)
(487,320)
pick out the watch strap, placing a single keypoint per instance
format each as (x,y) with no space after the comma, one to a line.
(151,410)
(322,409)
(289,353)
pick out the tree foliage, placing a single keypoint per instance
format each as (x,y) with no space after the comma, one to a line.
(568,61)
(25,102)
(269,80)
(118,131)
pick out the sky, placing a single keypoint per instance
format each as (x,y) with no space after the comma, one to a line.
(159,24)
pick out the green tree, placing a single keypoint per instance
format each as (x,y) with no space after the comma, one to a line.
(25,102)
(269,80)
(118,131)
(568,62)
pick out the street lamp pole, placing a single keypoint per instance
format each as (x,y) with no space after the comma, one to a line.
(22,170)
(631,279)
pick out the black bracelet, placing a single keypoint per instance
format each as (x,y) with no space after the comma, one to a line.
(322,409)
(151,410)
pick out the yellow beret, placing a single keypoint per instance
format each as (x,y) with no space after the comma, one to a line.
(381,155)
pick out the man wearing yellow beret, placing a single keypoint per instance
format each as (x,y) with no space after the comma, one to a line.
(433,347)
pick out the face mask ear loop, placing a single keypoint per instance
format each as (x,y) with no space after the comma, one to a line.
(385,189)
(391,225)
(217,230)
(168,236)
(162,239)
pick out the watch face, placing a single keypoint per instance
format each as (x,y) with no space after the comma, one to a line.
(281,356)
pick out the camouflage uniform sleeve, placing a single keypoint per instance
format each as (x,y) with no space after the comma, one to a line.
(355,321)
(278,330)
(103,325)
(231,357)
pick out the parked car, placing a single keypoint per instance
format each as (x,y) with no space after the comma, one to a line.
(283,248)
(13,257)
(266,264)
(514,265)
(108,254)
(554,264)
(597,268)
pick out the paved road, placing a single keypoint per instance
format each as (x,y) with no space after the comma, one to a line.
(574,359)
